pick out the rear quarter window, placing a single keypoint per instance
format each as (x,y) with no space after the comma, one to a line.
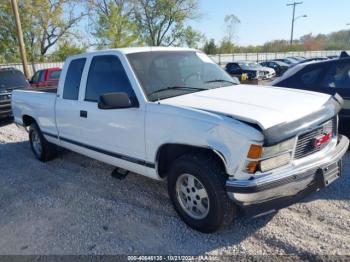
(73,78)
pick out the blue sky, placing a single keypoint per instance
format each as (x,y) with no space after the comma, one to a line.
(263,21)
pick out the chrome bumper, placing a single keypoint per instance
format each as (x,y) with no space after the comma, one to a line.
(274,191)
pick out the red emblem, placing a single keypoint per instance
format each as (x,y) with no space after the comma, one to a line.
(320,140)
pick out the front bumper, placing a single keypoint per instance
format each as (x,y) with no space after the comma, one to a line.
(274,191)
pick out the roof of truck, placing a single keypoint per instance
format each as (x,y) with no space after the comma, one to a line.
(131,50)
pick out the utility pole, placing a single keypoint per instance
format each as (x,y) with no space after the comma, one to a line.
(293,19)
(22,48)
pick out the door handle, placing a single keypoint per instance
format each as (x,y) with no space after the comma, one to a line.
(83,113)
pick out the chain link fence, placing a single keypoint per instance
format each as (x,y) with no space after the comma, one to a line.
(221,59)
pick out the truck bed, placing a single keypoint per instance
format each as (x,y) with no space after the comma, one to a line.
(37,103)
(43,89)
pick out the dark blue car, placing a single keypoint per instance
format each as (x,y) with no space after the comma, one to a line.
(330,76)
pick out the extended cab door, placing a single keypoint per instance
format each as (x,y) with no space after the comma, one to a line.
(68,106)
(115,134)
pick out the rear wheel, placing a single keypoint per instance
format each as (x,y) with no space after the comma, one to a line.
(42,149)
(196,186)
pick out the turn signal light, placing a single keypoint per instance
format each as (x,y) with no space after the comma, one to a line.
(255,152)
(252,167)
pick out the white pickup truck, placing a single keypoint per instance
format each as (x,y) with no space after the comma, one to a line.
(172,113)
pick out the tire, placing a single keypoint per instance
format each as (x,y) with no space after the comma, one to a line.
(42,149)
(209,215)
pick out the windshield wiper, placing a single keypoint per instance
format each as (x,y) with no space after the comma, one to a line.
(220,81)
(178,88)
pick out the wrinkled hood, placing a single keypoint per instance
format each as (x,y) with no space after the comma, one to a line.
(262,105)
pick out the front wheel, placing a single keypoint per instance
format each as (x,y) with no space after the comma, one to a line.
(196,186)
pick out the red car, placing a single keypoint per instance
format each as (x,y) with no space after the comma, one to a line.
(46,77)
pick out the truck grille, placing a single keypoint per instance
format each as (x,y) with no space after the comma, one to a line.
(306,142)
(5,105)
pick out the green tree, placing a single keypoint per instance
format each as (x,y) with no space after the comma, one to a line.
(226,47)
(210,47)
(65,49)
(192,38)
(162,22)
(231,22)
(44,23)
(114,26)
(8,40)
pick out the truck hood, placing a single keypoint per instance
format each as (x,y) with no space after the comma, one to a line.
(262,105)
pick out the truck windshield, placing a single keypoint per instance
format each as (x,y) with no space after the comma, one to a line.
(11,79)
(165,74)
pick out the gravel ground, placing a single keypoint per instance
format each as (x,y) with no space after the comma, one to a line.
(72,205)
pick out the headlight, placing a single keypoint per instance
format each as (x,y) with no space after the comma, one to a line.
(275,162)
(287,145)
(267,158)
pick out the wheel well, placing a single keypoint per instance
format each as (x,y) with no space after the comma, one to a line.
(170,152)
(28,120)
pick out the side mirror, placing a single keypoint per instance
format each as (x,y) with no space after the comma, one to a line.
(115,101)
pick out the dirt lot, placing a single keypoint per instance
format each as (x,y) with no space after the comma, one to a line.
(73,206)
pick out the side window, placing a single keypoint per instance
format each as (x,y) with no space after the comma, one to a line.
(54,75)
(35,78)
(310,77)
(73,77)
(338,76)
(107,75)
(233,67)
(42,76)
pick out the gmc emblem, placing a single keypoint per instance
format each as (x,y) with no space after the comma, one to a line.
(321,140)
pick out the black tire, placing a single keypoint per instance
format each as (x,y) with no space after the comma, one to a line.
(46,151)
(208,171)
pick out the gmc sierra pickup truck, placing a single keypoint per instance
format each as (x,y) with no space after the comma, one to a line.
(173,114)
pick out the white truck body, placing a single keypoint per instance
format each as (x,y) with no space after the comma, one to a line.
(226,120)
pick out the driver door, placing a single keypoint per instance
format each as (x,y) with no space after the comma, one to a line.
(117,135)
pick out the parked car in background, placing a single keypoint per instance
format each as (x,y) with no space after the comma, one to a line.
(330,76)
(300,57)
(314,59)
(278,66)
(268,72)
(173,114)
(46,77)
(288,61)
(296,58)
(238,68)
(10,79)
